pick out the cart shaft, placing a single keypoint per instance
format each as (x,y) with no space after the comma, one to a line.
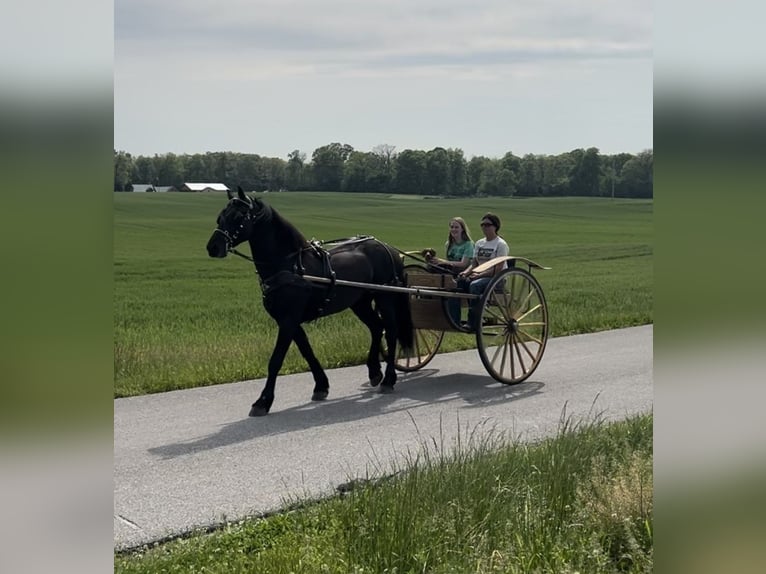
(417,291)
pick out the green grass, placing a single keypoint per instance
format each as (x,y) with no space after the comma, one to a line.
(183,320)
(578,502)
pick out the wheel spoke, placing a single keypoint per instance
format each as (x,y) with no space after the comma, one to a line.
(418,339)
(498,348)
(522,305)
(532,324)
(532,310)
(492,311)
(509,346)
(518,353)
(530,337)
(523,344)
(425,343)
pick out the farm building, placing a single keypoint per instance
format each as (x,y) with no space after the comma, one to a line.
(203,187)
(142,187)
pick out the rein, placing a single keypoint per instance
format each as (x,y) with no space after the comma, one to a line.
(235,252)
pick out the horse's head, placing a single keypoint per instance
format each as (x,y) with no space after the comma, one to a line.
(234,223)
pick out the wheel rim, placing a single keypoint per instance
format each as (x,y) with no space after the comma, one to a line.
(514,332)
(425,346)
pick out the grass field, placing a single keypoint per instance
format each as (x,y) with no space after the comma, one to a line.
(183,320)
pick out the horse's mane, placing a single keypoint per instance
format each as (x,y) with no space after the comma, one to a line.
(285,231)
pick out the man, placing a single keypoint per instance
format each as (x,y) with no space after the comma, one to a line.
(486,248)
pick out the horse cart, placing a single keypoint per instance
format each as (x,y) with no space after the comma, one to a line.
(511,327)
(403,303)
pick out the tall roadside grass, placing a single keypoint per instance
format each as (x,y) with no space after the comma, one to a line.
(183,320)
(578,502)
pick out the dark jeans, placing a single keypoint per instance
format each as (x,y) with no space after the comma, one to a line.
(475,287)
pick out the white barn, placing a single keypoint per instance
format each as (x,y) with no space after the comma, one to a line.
(203,187)
(142,187)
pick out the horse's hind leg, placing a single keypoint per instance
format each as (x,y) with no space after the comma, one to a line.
(363,309)
(386,308)
(321,383)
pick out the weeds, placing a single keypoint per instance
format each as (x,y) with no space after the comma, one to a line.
(577,502)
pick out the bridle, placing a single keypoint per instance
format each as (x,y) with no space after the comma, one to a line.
(248,218)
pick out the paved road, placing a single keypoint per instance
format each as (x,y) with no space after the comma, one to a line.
(193,458)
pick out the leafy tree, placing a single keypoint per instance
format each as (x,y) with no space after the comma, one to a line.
(410,171)
(196,168)
(144,170)
(474,171)
(439,171)
(123,170)
(328,163)
(437,179)
(294,177)
(457,172)
(586,172)
(510,168)
(250,173)
(637,176)
(505,180)
(274,171)
(170,170)
(556,172)
(366,171)
(386,166)
(530,181)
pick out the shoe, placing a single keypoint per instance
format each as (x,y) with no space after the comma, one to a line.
(466,326)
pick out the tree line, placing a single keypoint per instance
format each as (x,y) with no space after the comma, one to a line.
(440,171)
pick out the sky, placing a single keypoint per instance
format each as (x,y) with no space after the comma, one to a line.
(486,76)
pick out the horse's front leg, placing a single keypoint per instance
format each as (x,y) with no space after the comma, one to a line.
(284,338)
(321,382)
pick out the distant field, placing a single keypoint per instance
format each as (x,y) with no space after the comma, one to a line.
(183,320)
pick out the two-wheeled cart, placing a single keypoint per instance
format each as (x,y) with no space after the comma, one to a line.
(511,320)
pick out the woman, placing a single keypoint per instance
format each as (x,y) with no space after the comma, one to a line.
(459,254)
(459,248)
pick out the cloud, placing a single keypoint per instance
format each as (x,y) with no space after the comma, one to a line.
(350,37)
(536,75)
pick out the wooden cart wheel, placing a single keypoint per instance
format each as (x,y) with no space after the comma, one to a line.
(425,342)
(426,345)
(514,326)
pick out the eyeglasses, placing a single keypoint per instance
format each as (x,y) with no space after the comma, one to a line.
(486,223)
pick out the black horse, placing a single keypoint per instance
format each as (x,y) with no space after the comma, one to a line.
(282,255)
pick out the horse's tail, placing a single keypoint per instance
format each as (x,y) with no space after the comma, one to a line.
(405,335)
(404,328)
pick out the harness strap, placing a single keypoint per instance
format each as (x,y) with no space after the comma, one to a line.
(327,271)
(343,241)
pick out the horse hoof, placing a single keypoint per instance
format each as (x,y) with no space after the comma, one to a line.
(319,395)
(256,411)
(386,389)
(375,381)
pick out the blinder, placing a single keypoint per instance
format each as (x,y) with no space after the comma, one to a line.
(250,216)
